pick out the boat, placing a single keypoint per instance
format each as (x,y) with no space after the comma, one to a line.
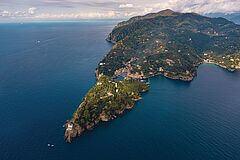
(50,145)
(145,80)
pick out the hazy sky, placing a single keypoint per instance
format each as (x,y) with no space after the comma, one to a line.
(106,9)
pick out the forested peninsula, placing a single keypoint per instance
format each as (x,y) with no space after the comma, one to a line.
(166,43)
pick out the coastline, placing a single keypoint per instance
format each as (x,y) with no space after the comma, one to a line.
(77,130)
(221,66)
(140,53)
(74,127)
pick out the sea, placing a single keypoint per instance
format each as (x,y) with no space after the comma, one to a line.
(46,68)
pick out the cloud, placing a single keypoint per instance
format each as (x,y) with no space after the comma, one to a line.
(80,15)
(19,14)
(83,9)
(15,14)
(4,13)
(148,10)
(199,6)
(128,5)
(81,3)
(32,10)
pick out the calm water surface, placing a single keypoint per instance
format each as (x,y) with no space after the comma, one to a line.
(47,68)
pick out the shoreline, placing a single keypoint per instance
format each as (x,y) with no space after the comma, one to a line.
(141,51)
(72,127)
(77,130)
(221,66)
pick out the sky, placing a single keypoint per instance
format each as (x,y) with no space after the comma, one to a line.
(15,10)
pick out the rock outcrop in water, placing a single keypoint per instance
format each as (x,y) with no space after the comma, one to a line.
(168,43)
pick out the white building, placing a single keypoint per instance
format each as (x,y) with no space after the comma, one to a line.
(69,127)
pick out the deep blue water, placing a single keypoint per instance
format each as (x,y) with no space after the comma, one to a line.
(41,84)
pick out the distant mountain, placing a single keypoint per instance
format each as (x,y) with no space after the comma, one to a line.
(234,17)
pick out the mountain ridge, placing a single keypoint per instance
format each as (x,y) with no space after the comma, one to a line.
(181,37)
